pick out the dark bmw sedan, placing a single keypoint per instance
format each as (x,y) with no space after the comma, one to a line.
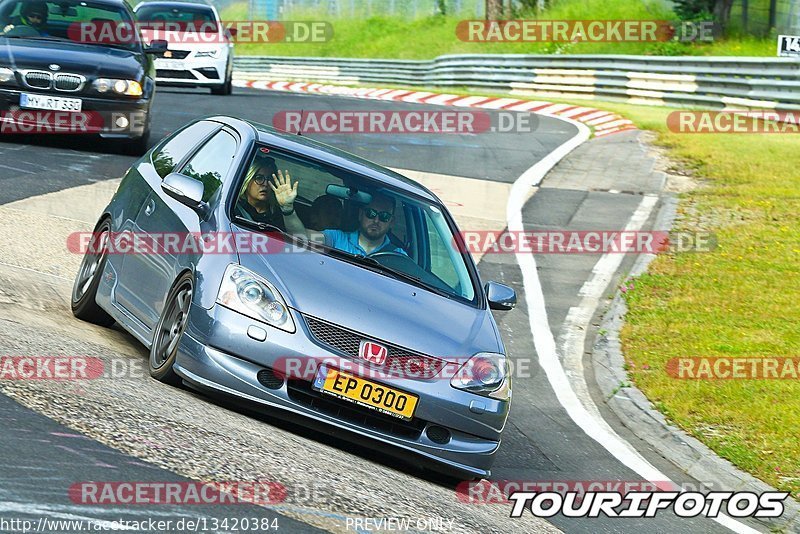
(67,67)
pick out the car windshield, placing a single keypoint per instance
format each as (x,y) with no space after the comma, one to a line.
(413,238)
(74,20)
(180,18)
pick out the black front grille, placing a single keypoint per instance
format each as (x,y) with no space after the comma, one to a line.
(398,361)
(68,82)
(39,80)
(302,393)
(175,74)
(209,72)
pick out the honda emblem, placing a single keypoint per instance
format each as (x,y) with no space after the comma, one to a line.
(373,352)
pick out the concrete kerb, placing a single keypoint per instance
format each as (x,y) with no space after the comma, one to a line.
(602,122)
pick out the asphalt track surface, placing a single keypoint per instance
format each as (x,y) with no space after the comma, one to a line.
(540,443)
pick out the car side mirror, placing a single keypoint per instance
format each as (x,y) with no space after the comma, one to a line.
(187,191)
(157,47)
(500,297)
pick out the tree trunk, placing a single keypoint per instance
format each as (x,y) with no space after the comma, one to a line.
(494,9)
(773,11)
(722,15)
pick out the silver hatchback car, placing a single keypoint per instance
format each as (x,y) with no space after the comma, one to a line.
(284,272)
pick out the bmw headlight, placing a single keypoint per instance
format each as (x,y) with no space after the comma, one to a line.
(207,53)
(120,87)
(485,374)
(247,293)
(6,75)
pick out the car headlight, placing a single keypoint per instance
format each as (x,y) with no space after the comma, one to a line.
(485,374)
(206,53)
(6,75)
(121,87)
(247,293)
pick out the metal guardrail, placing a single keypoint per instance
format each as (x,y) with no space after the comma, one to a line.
(708,82)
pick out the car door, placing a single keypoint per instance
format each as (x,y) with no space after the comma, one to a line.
(173,222)
(134,290)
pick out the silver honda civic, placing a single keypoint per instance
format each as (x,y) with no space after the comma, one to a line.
(320,286)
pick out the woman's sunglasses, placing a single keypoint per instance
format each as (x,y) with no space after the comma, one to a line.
(383,216)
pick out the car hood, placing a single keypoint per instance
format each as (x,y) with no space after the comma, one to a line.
(378,306)
(91,61)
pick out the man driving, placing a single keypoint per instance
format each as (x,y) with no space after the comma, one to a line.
(33,15)
(374,221)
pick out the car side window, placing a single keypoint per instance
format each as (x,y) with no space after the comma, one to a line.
(212,163)
(175,149)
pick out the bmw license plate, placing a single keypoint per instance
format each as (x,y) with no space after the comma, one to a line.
(50,103)
(365,393)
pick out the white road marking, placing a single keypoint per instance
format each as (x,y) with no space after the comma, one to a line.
(594,426)
(4,264)
(577,322)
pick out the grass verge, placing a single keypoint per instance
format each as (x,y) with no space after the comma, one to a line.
(429,37)
(737,301)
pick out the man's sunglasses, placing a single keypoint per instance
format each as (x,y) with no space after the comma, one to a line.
(383,216)
(35,16)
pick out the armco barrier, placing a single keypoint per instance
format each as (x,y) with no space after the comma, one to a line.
(686,81)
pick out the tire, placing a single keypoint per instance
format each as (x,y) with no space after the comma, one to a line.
(137,146)
(169,330)
(227,88)
(223,90)
(84,290)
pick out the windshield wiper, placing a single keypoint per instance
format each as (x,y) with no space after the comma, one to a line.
(33,37)
(263,227)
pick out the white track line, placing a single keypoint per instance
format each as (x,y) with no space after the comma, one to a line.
(594,426)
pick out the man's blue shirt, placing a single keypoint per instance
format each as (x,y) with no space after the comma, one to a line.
(348,242)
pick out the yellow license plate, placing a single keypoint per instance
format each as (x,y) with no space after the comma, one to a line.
(365,393)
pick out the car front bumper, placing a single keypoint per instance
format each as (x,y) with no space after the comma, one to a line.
(216,353)
(192,72)
(99,116)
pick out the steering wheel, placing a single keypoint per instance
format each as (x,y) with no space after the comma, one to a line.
(22,30)
(394,260)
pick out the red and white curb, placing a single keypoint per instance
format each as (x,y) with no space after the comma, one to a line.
(602,122)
